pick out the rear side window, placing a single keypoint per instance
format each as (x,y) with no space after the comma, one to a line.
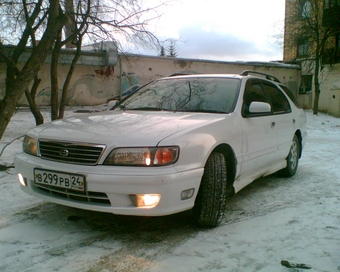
(291,96)
(278,100)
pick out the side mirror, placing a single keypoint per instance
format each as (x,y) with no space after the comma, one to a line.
(259,107)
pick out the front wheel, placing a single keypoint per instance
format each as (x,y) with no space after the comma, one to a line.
(292,159)
(212,195)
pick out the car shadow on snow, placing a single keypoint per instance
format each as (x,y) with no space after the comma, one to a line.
(238,207)
(59,217)
(252,197)
(109,222)
(126,224)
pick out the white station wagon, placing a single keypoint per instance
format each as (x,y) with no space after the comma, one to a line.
(184,142)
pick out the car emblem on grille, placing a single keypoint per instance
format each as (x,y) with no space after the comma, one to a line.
(63,152)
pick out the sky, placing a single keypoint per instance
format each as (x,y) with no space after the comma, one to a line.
(226,30)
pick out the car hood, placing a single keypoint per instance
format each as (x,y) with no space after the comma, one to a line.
(122,128)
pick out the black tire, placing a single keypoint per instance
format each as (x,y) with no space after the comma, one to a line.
(211,200)
(292,159)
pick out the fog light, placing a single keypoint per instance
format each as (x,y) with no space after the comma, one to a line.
(186,194)
(146,201)
(23,181)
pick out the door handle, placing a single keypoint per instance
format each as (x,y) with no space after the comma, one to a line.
(294,121)
(272,124)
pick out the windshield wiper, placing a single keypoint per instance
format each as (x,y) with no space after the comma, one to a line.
(205,111)
(146,109)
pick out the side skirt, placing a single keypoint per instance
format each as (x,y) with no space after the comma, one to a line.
(240,183)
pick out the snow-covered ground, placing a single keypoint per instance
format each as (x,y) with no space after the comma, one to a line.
(273,219)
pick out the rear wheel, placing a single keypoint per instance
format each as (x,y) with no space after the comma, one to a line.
(212,195)
(292,159)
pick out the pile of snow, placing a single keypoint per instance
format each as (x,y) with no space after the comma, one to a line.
(271,221)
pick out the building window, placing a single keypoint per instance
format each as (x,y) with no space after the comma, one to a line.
(331,3)
(306,84)
(331,11)
(304,9)
(302,47)
(331,54)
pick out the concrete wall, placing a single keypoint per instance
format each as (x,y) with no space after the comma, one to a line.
(95,82)
(138,70)
(144,68)
(98,79)
(90,85)
(330,90)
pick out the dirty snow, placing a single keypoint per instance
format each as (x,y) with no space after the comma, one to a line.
(273,219)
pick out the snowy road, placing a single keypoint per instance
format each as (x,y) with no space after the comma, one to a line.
(273,219)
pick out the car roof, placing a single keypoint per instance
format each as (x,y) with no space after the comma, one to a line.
(204,76)
(246,73)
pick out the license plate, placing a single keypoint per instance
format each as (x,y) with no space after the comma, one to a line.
(59,179)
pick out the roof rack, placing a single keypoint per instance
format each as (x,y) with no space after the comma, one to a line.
(177,74)
(269,77)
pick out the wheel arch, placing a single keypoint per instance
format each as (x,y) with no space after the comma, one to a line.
(231,163)
(299,135)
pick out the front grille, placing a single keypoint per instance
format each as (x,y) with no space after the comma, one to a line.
(93,197)
(78,153)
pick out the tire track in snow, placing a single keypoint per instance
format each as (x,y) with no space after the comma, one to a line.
(58,237)
(15,261)
(39,235)
(143,239)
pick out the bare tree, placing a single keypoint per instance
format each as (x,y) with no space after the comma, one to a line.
(17,78)
(100,20)
(39,23)
(278,35)
(312,29)
(74,33)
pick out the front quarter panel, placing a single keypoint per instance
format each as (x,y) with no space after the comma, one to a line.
(197,144)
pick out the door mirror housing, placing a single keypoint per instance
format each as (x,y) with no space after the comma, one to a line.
(259,107)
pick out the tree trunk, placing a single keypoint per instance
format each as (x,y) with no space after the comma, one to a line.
(316,99)
(54,78)
(68,78)
(71,26)
(316,84)
(39,119)
(7,109)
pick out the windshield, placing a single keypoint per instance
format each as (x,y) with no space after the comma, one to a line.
(216,95)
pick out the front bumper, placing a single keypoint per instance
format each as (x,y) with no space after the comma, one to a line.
(117,184)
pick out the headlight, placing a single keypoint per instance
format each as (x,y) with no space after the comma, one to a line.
(143,156)
(29,145)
